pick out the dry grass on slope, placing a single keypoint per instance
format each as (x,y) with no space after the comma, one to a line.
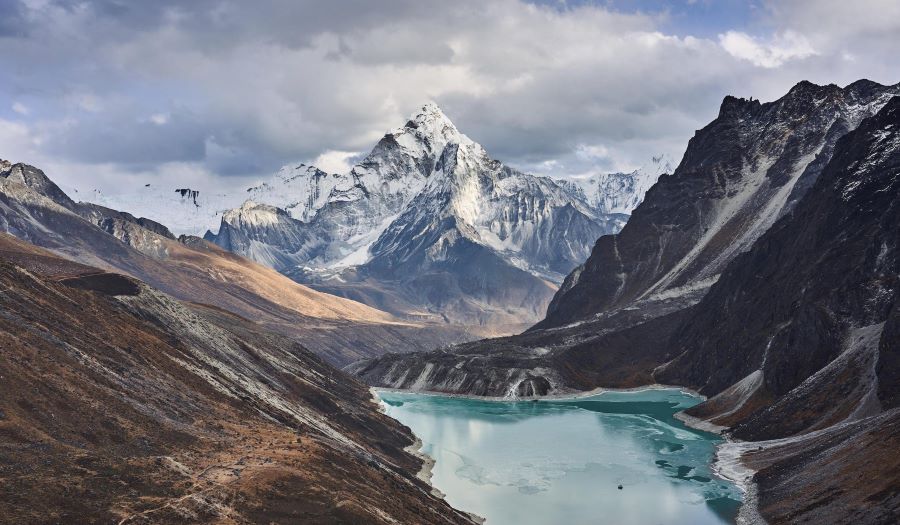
(267,283)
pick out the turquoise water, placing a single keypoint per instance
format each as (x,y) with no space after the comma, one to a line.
(561,462)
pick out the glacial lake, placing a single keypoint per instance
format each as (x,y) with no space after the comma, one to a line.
(562,461)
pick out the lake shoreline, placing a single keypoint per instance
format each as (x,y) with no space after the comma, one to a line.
(566,396)
(426,471)
(723,465)
(729,465)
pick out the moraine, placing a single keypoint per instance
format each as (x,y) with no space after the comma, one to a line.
(562,461)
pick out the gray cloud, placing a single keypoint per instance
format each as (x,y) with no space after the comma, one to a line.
(213,88)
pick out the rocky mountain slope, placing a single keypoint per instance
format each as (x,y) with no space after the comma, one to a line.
(33,208)
(774,293)
(123,405)
(738,176)
(827,278)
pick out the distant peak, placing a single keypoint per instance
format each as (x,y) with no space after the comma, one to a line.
(865,88)
(804,85)
(805,88)
(431,116)
(432,107)
(735,106)
(864,83)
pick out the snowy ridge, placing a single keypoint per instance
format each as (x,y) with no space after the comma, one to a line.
(427,197)
(426,172)
(183,210)
(610,193)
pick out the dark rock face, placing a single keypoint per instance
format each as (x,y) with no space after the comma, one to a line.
(189,194)
(103,217)
(104,283)
(738,176)
(813,295)
(888,367)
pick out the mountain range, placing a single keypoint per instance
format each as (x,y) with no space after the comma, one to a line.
(762,273)
(160,378)
(35,209)
(406,228)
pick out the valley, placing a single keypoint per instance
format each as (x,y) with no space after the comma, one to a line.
(417,262)
(761,274)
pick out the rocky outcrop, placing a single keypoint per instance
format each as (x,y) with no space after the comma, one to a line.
(807,306)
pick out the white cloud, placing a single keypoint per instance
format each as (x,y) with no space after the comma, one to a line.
(15,140)
(20,108)
(592,152)
(86,102)
(333,161)
(159,118)
(780,49)
(239,89)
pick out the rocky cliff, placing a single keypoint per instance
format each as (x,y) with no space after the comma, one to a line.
(804,311)
(739,174)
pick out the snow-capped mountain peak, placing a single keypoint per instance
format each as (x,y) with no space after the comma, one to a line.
(432,124)
(386,179)
(426,199)
(425,175)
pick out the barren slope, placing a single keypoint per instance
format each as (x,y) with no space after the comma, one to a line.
(120,404)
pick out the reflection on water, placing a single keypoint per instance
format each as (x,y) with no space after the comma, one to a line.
(554,462)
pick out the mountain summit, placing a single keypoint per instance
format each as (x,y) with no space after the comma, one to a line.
(426,224)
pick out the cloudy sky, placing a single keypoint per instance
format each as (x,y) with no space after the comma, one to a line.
(113,93)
